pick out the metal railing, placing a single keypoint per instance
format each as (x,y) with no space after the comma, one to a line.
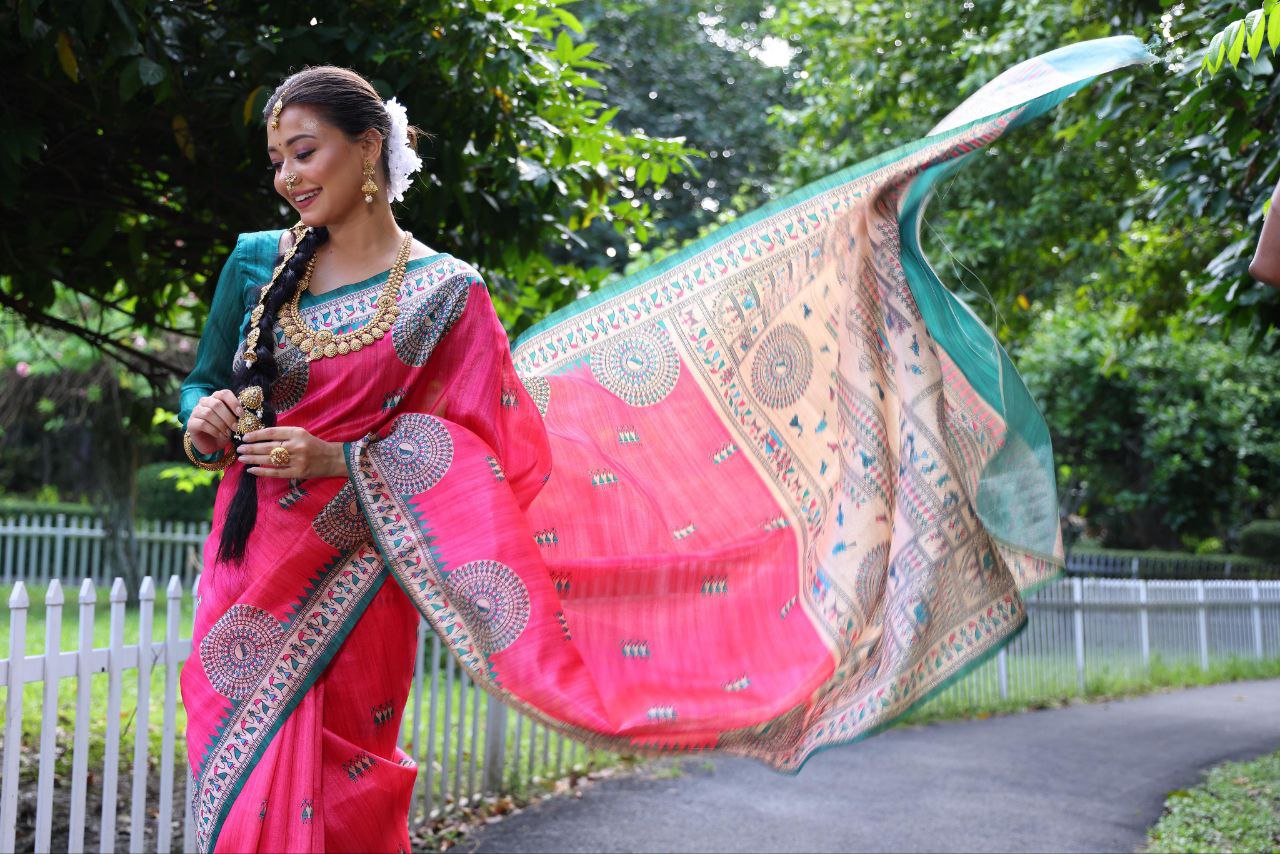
(1100,630)
(1164,565)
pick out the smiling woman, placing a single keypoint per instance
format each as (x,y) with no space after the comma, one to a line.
(797,487)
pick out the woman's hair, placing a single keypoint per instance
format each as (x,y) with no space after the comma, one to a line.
(347,101)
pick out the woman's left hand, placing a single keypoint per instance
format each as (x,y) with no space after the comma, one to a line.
(308,456)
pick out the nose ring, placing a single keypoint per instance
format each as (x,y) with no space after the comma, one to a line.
(290,180)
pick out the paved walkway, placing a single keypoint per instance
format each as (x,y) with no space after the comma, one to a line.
(1084,778)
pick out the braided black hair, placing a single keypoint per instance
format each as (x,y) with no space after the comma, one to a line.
(263,371)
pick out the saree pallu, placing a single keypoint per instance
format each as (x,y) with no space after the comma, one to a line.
(760,498)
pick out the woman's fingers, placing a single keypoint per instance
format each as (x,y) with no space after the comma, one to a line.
(216,413)
(274,434)
(268,471)
(228,397)
(260,460)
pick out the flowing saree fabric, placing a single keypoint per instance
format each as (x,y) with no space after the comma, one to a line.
(760,498)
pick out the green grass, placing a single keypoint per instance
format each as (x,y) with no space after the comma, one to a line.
(1236,809)
(1057,685)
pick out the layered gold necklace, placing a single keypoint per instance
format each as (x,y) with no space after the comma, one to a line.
(323,344)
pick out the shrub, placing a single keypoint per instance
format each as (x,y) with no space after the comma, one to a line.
(160,498)
(1261,539)
(11,506)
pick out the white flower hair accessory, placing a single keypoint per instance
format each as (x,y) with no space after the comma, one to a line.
(402,160)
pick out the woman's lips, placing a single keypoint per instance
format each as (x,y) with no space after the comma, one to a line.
(303,203)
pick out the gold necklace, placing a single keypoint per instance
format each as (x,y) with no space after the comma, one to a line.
(324,344)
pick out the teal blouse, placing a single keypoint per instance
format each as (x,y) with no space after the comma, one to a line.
(247,269)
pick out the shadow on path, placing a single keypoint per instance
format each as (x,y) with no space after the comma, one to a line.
(1084,778)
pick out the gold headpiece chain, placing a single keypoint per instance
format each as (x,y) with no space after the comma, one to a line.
(275,112)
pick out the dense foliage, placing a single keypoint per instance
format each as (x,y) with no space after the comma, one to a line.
(134,150)
(1165,438)
(1146,189)
(1107,244)
(1261,538)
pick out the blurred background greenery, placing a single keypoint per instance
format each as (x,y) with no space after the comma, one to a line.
(575,142)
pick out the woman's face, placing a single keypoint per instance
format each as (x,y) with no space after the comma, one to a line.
(329,166)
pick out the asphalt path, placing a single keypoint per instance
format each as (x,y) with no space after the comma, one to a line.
(1090,777)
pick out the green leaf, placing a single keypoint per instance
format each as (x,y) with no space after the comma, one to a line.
(149,72)
(564,48)
(1235,42)
(130,82)
(566,17)
(1254,24)
(1273,30)
(1214,55)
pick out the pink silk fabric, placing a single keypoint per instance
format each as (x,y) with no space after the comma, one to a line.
(302,656)
(760,499)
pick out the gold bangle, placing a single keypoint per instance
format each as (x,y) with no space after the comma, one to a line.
(216,465)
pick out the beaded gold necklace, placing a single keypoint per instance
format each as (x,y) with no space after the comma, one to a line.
(324,344)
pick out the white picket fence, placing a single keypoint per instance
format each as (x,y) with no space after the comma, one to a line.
(37,549)
(460,760)
(1079,629)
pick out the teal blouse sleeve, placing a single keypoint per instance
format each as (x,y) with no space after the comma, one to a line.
(246,270)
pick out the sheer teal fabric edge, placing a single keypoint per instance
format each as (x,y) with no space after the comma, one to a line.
(1017,499)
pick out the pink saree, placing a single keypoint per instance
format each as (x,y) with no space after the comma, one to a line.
(760,498)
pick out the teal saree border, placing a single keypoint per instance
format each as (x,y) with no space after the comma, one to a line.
(322,663)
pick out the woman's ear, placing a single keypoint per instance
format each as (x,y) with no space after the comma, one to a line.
(371,146)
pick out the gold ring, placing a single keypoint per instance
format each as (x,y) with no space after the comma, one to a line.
(279,456)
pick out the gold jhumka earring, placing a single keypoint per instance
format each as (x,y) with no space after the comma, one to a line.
(369,187)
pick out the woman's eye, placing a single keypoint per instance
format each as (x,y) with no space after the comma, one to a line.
(275,167)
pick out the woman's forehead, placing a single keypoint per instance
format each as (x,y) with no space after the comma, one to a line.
(296,121)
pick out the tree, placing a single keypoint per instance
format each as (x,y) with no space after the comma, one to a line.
(680,69)
(1168,437)
(134,151)
(1050,209)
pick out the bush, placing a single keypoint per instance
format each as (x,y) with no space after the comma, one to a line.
(1261,539)
(1160,564)
(160,498)
(11,506)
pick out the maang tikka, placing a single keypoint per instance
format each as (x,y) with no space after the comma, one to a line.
(275,112)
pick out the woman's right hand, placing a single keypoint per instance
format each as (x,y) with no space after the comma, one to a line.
(212,421)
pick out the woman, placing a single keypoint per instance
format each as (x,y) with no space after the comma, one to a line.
(1265,266)
(760,498)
